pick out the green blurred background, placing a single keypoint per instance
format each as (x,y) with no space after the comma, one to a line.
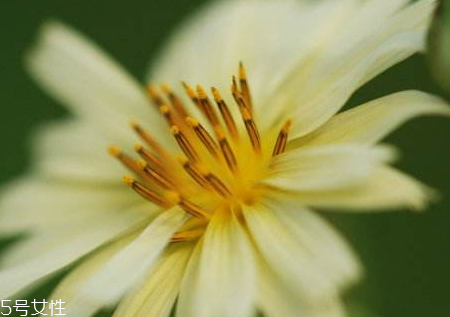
(407,256)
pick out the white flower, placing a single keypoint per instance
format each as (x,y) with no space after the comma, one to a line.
(229,227)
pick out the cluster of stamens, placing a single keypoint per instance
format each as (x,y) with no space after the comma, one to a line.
(209,164)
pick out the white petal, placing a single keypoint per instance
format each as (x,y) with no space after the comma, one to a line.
(371,122)
(326,167)
(320,240)
(74,150)
(291,261)
(45,254)
(222,282)
(127,267)
(38,204)
(386,189)
(80,75)
(276,299)
(268,36)
(156,295)
(342,71)
(70,286)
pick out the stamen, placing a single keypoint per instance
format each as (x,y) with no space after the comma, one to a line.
(189,207)
(154,175)
(184,144)
(168,114)
(207,107)
(154,96)
(150,141)
(244,86)
(160,179)
(192,95)
(227,153)
(124,159)
(204,136)
(188,235)
(234,87)
(148,156)
(192,209)
(217,184)
(226,114)
(175,101)
(145,192)
(252,130)
(193,171)
(280,145)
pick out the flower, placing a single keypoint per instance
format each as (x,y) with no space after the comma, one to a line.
(227,224)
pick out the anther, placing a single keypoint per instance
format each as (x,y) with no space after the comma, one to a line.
(280,144)
(184,144)
(226,114)
(217,184)
(204,136)
(150,140)
(207,107)
(155,176)
(193,171)
(145,192)
(165,110)
(175,101)
(252,130)
(244,86)
(234,86)
(148,156)
(124,159)
(154,95)
(192,94)
(228,153)
(192,209)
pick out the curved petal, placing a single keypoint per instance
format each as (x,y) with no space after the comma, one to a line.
(294,264)
(126,268)
(222,282)
(81,76)
(340,72)
(326,167)
(276,299)
(73,150)
(386,189)
(149,299)
(35,204)
(70,286)
(371,122)
(43,255)
(268,36)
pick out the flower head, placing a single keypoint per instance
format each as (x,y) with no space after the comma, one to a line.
(223,181)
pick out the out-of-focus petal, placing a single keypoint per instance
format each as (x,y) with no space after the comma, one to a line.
(81,76)
(372,121)
(125,269)
(340,72)
(326,167)
(34,259)
(386,189)
(73,150)
(276,299)
(70,286)
(36,204)
(291,261)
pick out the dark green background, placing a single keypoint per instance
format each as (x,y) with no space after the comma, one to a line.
(407,256)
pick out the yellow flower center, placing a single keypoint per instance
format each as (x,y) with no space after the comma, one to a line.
(222,166)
